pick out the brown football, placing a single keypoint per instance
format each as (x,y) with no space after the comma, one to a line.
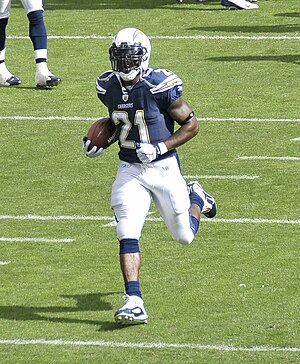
(101,133)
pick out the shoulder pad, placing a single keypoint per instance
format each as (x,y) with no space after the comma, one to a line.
(160,80)
(104,81)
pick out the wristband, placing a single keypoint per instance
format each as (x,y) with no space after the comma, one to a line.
(161,148)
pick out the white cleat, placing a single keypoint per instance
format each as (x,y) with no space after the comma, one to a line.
(7,78)
(239,4)
(44,78)
(46,81)
(133,312)
(209,208)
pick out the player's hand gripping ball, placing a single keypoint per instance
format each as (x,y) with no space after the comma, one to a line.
(100,136)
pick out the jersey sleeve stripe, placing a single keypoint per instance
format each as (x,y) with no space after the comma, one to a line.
(167,84)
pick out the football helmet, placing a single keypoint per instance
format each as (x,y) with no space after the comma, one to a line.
(129,53)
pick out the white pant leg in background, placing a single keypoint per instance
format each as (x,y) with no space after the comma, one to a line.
(29,6)
(5,8)
(32,5)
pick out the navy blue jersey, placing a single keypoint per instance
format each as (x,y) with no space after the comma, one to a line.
(140,113)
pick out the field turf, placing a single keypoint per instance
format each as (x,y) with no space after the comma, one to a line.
(233,295)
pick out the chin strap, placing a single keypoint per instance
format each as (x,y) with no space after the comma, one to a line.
(131,75)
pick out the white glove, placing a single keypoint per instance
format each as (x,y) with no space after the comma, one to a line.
(149,152)
(94,152)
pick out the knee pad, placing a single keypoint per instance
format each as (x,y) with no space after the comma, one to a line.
(129,246)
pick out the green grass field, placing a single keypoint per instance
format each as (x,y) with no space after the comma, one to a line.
(233,295)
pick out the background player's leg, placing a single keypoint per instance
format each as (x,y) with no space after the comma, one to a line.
(38,36)
(6,77)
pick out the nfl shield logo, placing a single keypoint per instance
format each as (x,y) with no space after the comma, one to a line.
(125,97)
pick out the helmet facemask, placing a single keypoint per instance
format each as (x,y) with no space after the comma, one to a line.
(127,59)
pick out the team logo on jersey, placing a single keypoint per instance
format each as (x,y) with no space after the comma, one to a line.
(125,97)
(125,106)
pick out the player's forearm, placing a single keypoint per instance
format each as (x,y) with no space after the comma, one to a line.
(183,134)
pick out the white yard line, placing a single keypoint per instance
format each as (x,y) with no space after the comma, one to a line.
(48,118)
(220,177)
(250,119)
(57,217)
(87,118)
(265,157)
(252,221)
(110,219)
(171,37)
(145,345)
(295,139)
(34,240)
(3,262)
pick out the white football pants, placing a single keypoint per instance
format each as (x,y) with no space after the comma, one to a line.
(134,188)
(29,6)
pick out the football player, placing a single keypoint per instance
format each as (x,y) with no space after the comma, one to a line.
(38,35)
(239,4)
(144,103)
(234,4)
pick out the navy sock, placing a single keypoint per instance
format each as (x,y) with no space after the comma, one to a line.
(194,198)
(132,288)
(194,224)
(3,23)
(37,30)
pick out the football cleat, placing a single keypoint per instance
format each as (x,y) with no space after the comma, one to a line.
(44,78)
(209,208)
(43,81)
(7,78)
(133,312)
(239,4)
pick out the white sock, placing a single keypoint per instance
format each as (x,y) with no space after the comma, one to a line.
(2,54)
(40,53)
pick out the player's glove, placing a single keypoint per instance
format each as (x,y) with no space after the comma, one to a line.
(149,152)
(94,152)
